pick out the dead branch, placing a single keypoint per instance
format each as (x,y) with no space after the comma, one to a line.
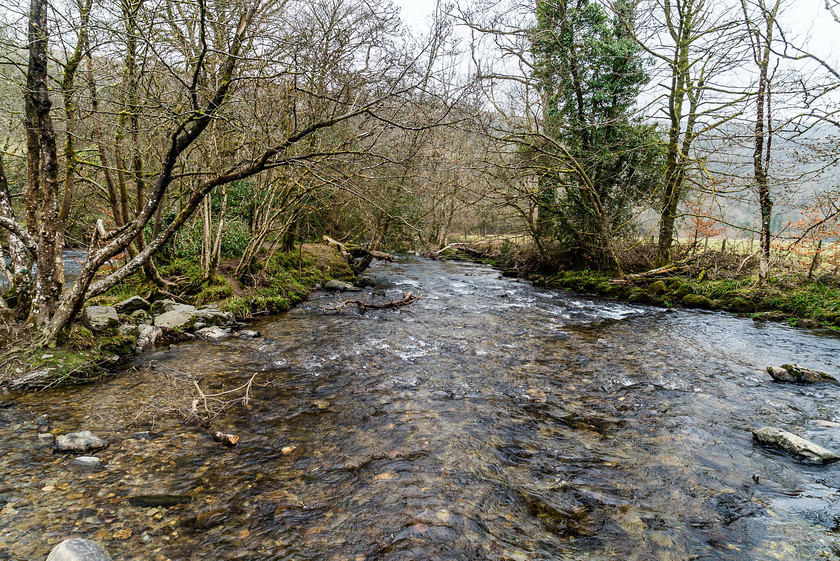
(460,246)
(358,257)
(408,298)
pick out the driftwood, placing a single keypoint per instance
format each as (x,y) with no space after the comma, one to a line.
(226,439)
(460,246)
(408,298)
(359,258)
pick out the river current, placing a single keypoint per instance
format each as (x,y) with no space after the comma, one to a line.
(489,420)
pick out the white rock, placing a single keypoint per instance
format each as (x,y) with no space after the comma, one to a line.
(213,334)
(795,445)
(78,550)
(78,442)
(86,462)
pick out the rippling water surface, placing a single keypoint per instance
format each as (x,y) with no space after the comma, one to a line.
(490,420)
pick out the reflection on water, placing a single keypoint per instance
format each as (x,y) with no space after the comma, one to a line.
(491,420)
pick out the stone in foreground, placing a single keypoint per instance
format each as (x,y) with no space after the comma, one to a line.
(87,462)
(100,318)
(79,442)
(78,550)
(213,334)
(179,319)
(793,373)
(796,445)
(340,286)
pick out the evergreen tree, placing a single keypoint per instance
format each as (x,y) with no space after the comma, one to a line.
(597,160)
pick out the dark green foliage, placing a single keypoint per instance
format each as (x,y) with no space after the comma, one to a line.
(596,161)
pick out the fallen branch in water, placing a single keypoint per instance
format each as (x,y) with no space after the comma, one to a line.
(460,246)
(408,298)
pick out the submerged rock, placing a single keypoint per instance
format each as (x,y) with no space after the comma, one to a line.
(158,500)
(793,373)
(87,462)
(132,305)
(100,318)
(248,334)
(79,442)
(796,445)
(78,550)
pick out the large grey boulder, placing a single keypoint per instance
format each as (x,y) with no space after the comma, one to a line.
(78,550)
(179,319)
(213,316)
(79,442)
(147,336)
(132,305)
(794,373)
(100,318)
(796,445)
(213,333)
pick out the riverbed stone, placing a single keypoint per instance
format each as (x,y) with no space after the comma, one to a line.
(79,442)
(162,306)
(795,445)
(141,317)
(78,549)
(793,373)
(87,462)
(180,319)
(213,316)
(129,330)
(33,379)
(100,318)
(213,333)
(132,305)
(248,334)
(147,336)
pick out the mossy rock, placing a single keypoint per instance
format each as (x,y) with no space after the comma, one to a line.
(681,293)
(590,285)
(659,287)
(740,305)
(697,301)
(829,317)
(639,296)
(674,285)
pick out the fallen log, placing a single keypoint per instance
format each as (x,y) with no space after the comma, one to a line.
(461,246)
(408,298)
(226,439)
(359,258)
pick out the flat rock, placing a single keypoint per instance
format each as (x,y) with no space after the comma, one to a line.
(141,317)
(132,305)
(248,334)
(158,500)
(180,319)
(87,462)
(796,445)
(79,442)
(32,379)
(78,550)
(163,306)
(214,333)
(100,318)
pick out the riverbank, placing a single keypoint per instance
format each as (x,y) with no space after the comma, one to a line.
(124,320)
(791,297)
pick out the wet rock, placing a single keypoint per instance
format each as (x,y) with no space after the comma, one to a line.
(158,500)
(42,420)
(78,550)
(213,334)
(212,316)
(144,435)
(46,439)
(639,296)
(141,317)
(795,445)
(340,286)
(162,306)
(697,301)
(180,319)
(793,373)
(33,379)
(87,462)
(79,442)
(248,334)
(211,518)
(100,318)
(132,305)
(365,282)
(732,507)
(147,336)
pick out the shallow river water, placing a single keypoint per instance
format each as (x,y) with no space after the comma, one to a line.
(489,420)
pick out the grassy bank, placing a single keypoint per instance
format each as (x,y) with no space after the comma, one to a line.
(279,282)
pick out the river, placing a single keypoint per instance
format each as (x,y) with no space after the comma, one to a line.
(489,420)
